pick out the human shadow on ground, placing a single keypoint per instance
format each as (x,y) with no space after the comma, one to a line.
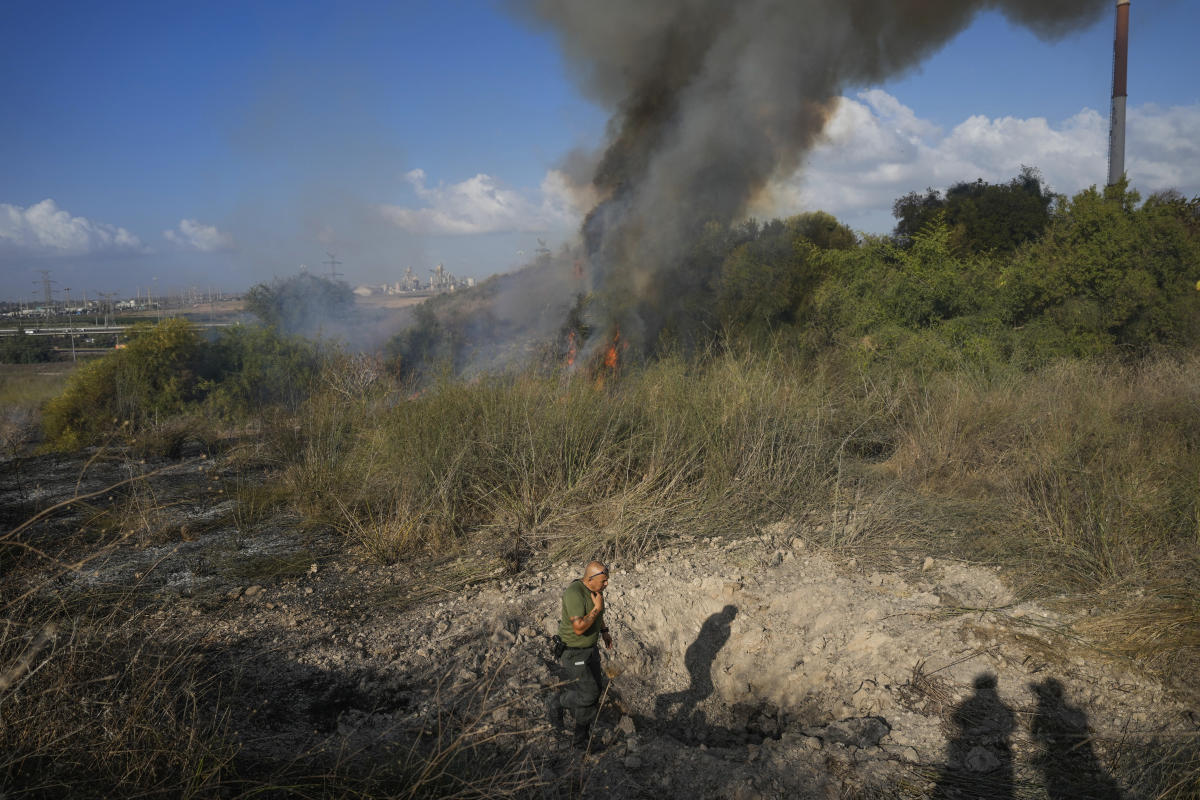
(1068,763)
(678,710)
(979,762)
(752,721)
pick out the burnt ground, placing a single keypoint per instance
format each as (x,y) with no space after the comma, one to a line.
(752,665)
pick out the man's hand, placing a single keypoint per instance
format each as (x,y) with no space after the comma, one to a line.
(597,602)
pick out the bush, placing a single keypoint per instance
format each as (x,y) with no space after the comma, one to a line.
(1112,272)
(302,304)
(982,217)
(21,348)
(258,368)
(157,375)
(168,370)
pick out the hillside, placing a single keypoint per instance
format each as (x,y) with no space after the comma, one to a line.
(752,664)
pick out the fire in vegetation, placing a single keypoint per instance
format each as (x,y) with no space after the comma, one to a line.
(608,361)
(572,349)
(714,100)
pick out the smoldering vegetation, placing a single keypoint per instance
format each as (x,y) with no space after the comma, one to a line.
(711,100)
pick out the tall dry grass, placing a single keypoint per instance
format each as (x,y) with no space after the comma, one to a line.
(557,463)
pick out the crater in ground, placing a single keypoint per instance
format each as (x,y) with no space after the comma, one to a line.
(751,665)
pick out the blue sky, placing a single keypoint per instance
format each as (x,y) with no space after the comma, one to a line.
(219,144)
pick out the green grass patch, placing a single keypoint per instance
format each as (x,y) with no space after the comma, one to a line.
(28,386)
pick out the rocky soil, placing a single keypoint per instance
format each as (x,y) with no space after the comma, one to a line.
(753,665)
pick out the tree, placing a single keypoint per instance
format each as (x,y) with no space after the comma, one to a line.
(765,281)
(981,216)
(303,304)
(1133,269)
(21,348)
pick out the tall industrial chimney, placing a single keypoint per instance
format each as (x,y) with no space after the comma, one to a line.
(1116,118)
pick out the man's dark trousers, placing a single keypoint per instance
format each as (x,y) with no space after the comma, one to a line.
(585,681)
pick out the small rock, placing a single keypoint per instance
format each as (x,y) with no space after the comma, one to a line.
(980,759)
(312,569)
(308,590)
(251,591)
(798,543)
(927,564)
(626,726)
(859,732)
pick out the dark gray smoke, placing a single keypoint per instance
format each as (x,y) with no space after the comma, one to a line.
(712,98)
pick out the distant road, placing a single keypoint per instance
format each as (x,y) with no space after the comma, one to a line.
(87,330)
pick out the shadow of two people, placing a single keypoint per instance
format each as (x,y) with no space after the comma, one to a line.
(979,762)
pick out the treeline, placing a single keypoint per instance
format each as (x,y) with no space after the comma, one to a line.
(23,348)
(984,274)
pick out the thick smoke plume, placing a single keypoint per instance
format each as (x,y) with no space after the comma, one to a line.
(712,98)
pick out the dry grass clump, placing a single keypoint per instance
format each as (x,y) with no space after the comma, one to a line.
(1085,479)
(556,462)
(100,699)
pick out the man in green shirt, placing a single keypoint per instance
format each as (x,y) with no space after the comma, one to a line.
(581,625)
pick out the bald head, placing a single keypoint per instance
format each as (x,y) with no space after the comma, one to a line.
(595,576)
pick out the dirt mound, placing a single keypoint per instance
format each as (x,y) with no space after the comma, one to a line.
(750,666)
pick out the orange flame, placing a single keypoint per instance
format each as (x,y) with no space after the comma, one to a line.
(571,349)
(608,370)
(610,356)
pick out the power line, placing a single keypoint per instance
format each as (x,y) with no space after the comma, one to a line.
(333,265)
(47,291)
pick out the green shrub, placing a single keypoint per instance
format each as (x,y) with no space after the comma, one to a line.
(1108,269)
(167,371)
(302,304)
(259,368)
(981,217)
(21,348)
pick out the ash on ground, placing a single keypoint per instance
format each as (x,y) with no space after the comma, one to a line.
(755,665)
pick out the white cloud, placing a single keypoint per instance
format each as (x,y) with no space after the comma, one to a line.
(45,229)
(876,149)
(196,236)
(481,205)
